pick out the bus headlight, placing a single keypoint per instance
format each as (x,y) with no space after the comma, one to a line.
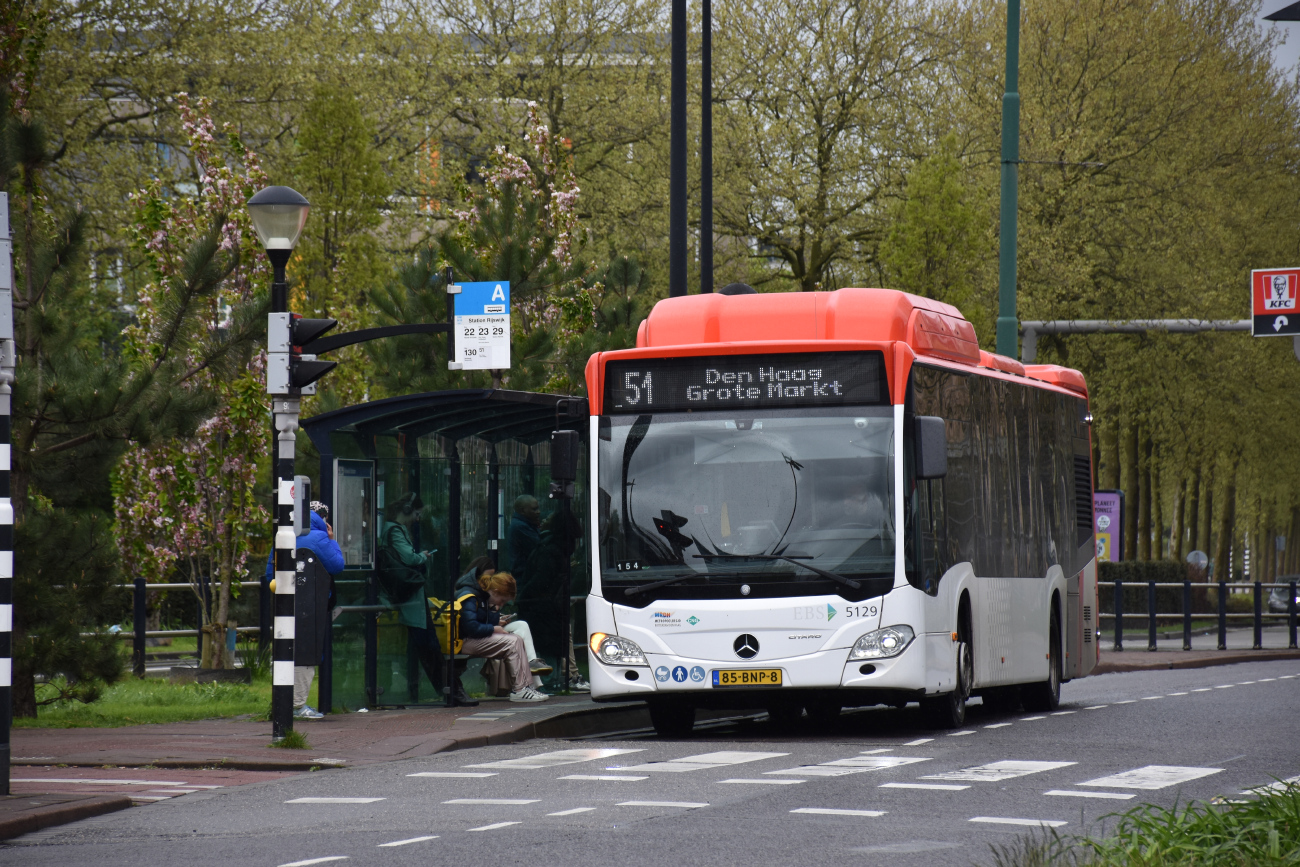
(883,643)
(613,650)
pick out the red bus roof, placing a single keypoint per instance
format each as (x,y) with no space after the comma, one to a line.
(700,324)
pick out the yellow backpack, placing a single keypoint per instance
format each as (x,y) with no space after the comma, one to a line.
(446,618)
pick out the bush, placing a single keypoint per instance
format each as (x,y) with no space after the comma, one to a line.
(1135,574)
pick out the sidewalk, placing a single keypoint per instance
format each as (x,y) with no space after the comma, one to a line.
(1136,657)
(338,740)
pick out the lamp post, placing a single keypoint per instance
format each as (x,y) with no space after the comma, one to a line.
(1007,331)
(278,215)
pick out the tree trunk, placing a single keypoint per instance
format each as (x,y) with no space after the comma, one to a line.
(1108,479)
(1129,482)
(1144,496)
(1157,511)
(1207,517)
(1223,569)
(1176,525)
(1193,514)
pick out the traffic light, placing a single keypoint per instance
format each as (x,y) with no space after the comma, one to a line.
(289,369)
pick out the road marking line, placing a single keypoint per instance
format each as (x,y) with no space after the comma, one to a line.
(557,757)
(1202,689)
(1064,713)
(1152,697)
(1038,823)
(1116,796)
(610,777)
(1177,693)
(511,802)
(918,742)
(310,861)
(333,801)
(875,762)
(959,734)
(1224,686)
(1245,682)
(705,760)
(455,774)
(1031,718)
(405,842)
(766,782)
(997,771)
(575,811)
(494,826)
(876,752)
(827,811)
(1288,676)
(1097,707)
(1267,679)
(939,786)
(1152,777)
(1129,701)
(998,726)
(686,805)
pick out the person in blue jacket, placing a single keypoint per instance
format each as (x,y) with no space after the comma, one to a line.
(320,540)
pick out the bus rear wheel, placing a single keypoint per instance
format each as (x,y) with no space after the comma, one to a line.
(672,719)
(949,711)
(1046,695)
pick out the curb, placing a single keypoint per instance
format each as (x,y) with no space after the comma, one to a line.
(1221,658)
(60,814)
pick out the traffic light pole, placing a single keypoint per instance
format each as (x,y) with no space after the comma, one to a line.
(284,407)
(8,357)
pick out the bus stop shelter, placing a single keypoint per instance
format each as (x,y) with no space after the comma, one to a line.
(468,455)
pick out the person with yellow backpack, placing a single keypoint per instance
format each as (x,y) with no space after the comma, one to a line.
(481,632)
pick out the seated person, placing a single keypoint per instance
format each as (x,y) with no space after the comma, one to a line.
(469,583)
(483,634)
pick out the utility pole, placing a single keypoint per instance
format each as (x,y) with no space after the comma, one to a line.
(706,150)
(1010,178)
(8,356)
(677,156)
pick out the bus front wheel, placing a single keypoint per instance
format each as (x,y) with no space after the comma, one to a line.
(1046,695)
(672,719)
(948,711)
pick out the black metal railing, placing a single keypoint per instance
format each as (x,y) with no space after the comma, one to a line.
(1257,616)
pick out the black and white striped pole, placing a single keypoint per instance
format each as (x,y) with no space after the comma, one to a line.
(8,356)
(278,215)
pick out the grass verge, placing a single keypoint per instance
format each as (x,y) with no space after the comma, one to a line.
(1262,832)
(137,702)
(294,740)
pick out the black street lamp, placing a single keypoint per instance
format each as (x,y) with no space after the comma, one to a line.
(278,215)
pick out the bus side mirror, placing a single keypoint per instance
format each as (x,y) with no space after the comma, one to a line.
(564,462)
(931,447)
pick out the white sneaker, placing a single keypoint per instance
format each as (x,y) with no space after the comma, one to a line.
(307,712)
(528,694)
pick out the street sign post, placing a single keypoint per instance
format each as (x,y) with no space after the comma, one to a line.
(1273,303)
(482,323)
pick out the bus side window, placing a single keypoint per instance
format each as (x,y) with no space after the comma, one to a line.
(929,534)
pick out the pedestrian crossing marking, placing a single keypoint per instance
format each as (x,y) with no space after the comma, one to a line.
(816,771)
(455,774)
(705,760)
(997,771)
(685,805)
(333,800)
(507,802)
(1275,786)
(1115,796)
(556,757)
(876,762)
(943,787)
(608,777)
(1152,777)
(575,811)
(766,782)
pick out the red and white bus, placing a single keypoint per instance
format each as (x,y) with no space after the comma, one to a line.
(835,499)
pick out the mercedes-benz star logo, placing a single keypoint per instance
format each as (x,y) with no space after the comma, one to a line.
(746,646)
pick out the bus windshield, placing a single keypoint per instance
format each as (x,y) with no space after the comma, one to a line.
(715,500)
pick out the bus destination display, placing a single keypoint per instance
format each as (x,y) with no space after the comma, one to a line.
(745,381)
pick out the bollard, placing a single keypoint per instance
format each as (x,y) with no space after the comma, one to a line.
(1290,612)
(1223,615)
(263,615)
(138,624)
(1187,614)
(1119,614)
(1151,615)
(1259,617)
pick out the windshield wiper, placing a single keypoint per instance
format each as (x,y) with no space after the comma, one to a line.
(795,559)
(655,585)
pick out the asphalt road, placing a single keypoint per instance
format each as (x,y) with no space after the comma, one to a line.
(876,788)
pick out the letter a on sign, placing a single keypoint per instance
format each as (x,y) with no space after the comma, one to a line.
(1273,302)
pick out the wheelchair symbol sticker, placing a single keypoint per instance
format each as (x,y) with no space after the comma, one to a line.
(697,674)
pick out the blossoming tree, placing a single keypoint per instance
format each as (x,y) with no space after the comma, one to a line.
(187,506)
